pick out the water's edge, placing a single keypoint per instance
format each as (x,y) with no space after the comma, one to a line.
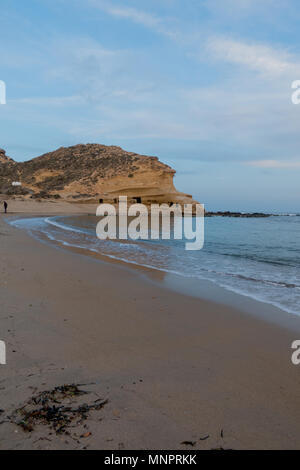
(171,278)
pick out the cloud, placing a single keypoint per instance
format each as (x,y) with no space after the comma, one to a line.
(258,57)
(135,15)
(240,4)
(237,9)
(118,95)
(94,73)
(280,164)
(262,58)
(51,101)
(77,57)
(150,21)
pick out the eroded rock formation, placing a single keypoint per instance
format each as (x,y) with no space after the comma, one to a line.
(92,171)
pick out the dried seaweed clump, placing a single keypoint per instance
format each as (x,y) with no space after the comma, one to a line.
(48,408)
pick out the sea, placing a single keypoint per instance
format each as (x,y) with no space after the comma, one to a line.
(255,257)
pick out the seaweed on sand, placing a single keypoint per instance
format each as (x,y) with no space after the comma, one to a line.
(47,408)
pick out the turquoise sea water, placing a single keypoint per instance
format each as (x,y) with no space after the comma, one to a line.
(256,257)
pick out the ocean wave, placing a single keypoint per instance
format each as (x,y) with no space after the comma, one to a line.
(62,226)
(262,281)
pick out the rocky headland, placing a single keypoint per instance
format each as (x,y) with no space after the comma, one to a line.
(88,173)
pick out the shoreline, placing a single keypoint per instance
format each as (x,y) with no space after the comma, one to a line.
(195,287)
(164,360)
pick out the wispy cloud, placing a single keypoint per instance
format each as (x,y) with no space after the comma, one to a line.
(149,20)
(258,57)
(240,6)
(279,164)
(51,101)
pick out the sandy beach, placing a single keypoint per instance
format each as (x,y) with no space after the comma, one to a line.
(177,372)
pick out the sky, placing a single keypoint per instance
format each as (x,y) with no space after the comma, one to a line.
(205,85)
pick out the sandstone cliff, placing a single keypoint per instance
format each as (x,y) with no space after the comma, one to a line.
(92,171)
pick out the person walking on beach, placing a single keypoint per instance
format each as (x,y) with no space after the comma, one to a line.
(5,207)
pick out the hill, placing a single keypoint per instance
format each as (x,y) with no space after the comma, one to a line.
(91,172)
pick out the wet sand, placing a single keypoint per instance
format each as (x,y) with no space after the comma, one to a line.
(174,368)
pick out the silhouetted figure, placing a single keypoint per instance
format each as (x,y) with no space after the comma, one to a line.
(5,207)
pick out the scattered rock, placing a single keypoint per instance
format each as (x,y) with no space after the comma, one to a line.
(189,443)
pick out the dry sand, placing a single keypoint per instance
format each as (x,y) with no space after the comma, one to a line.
(174,368)
(29,206)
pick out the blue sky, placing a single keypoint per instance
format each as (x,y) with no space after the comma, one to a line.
(203,84)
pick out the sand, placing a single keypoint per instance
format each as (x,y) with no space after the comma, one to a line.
(174,368)
(36,207)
